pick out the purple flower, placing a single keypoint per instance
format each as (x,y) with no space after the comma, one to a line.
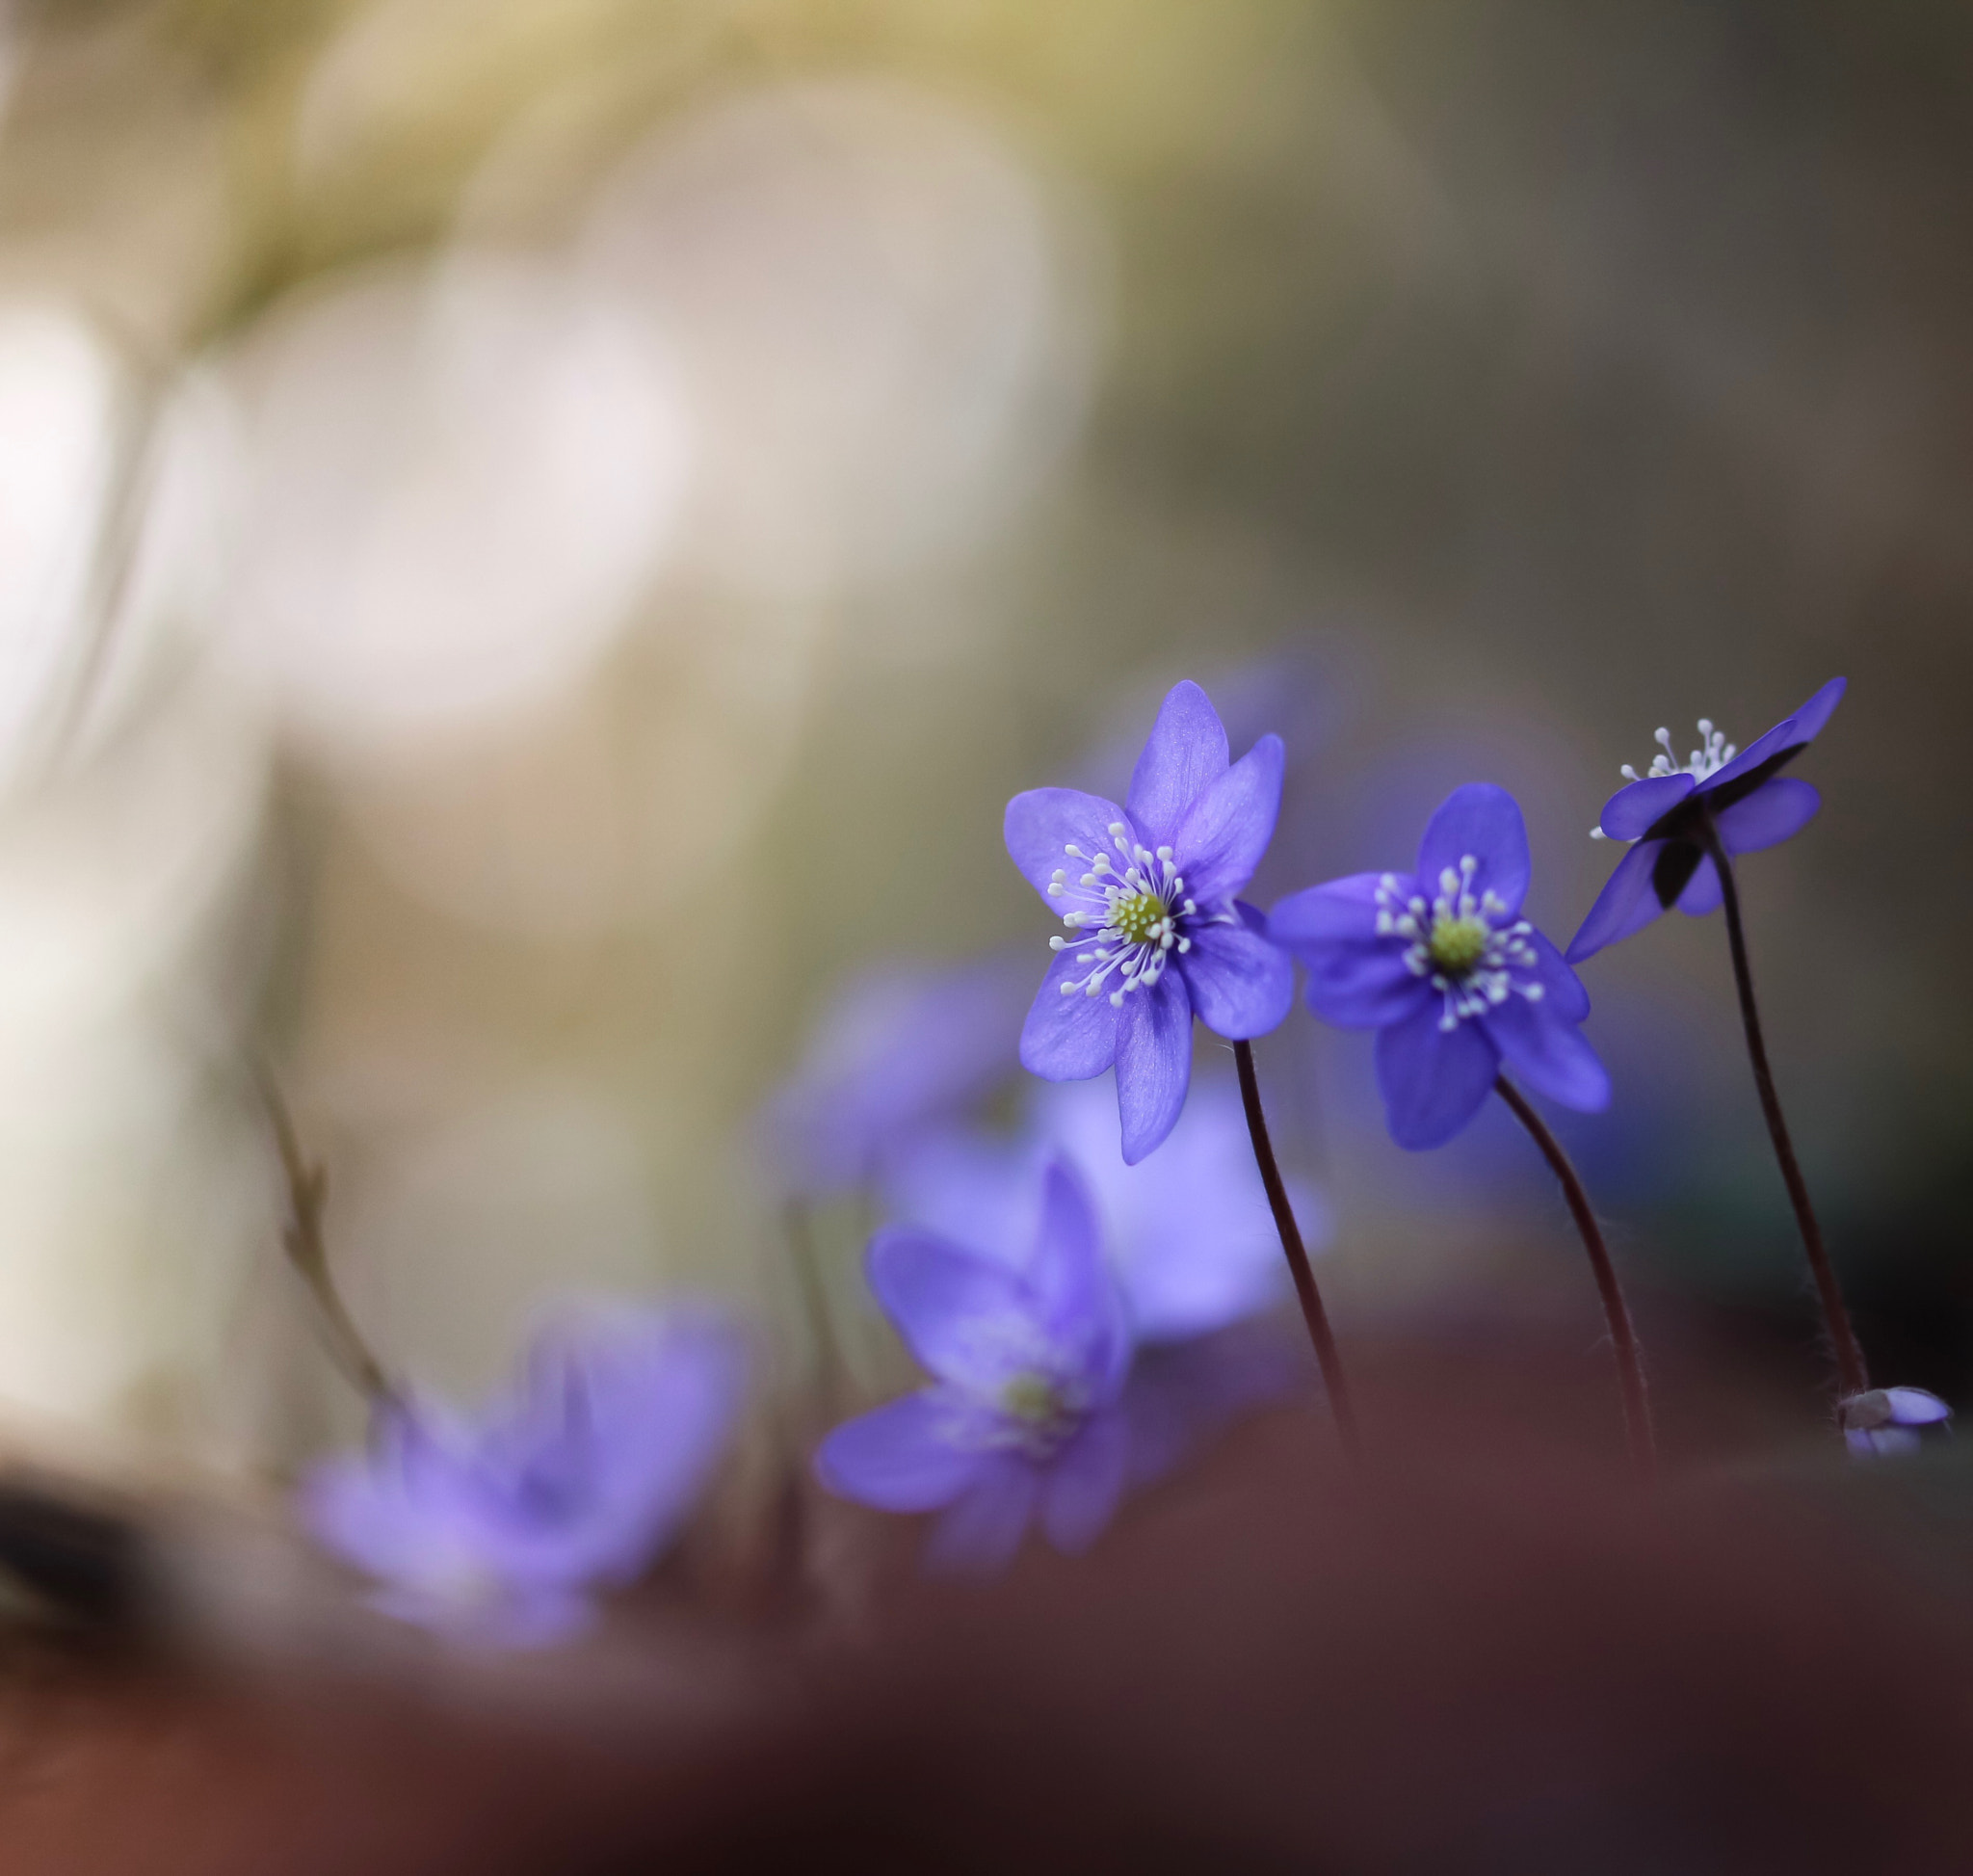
(1442,965)
(1664,812)
(1188,1231)
(1023,1419)
(1886,1420)
(1149,892)
(498,1527)
(902,1048)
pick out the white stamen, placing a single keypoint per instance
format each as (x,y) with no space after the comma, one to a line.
(1462,943)
(1713,755)
(1133,908)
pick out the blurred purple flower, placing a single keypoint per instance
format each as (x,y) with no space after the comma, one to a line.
(1023,1417)
(1886,1421)
(1452,983)
(1163,938)
(1188,1231)
(902,1048)
(1664,812)
(499,1527)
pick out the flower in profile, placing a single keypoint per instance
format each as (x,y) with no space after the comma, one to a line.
(1665,814)
(499,1527)
(1886,1420)
(1444,966)
(1022,1421)
(902,1048)
(1147,891)
(1188,1231)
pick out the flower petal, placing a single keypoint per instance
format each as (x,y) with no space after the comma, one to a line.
(1185,754)
(1549,1053)
(1072,1283)
(893,1459)
(983,1528)
(1632,809)
(1775,811)
(1701,893)
(1153,1063)
(1626,905)
(1485,821)
(1241,985)
(1914,1407)
(1433,1079)
(1562,987)
(1042,823)
(1082,1489)
(1356,979)
(1071,1037)
(1882,1443)
(1224,833)
(939,1296)
(1791,732)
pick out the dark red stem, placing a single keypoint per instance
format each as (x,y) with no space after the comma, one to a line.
(1852,1371)
(1313,1313)
(1623,1337)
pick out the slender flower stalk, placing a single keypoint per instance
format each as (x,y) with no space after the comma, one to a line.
(1457,983)
(1624,1340)
(308,1250)
(1320,1334)
(1851,1368)
(829,1369)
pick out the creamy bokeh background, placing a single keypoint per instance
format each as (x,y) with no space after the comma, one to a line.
(538,535)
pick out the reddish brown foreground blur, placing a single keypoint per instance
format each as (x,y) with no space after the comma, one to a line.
(1490,1656)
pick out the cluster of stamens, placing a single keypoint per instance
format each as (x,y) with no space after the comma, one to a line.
(1040,1402)
(1454,943)
(1135,913)
(1041,1413)
(1713,755)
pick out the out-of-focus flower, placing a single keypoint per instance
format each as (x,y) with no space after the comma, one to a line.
(1886,1421)
(1161,939)
(500,1527)
(1454,983)
(1023,1419)
(1188,1231)
(904,1047)
(1664,812)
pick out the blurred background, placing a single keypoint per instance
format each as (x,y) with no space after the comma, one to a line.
(537,537)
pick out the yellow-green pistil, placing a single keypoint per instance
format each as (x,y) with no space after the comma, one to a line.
(1139,918)
(1458,942)
(1034,1403)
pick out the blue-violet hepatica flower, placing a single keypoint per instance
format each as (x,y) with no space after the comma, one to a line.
(1147,892)
(1662,812)
(1886,1420)
(1188,1231)
(902,1047)
(1028,1362)
(498,1527)
(1444,966)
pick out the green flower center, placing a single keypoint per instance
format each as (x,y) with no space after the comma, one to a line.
(1031,1398)
(1137,916)
(1034,1403)
(1458,942)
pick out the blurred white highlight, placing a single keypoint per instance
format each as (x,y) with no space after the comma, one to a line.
(461,482)
(59,437)
(883,337)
